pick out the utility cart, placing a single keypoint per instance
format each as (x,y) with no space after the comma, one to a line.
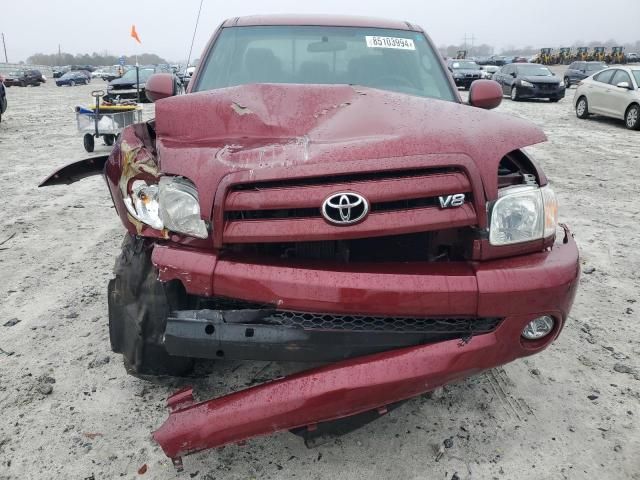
(106,121)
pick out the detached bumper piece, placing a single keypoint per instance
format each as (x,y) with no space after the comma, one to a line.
(264,334)
(323,394)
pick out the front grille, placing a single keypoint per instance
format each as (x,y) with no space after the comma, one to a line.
(401,202)
(319,321)
(547,87)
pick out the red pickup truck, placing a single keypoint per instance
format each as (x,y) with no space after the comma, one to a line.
(323,194)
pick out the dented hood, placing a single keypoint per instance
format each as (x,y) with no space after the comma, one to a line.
(206,135)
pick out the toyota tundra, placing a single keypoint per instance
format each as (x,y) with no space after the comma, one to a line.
(323,194)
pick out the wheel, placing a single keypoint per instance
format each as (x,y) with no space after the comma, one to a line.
(582,108)
(89,144)
(632,117)
(72,83)
(109,139)
(567,82)
(23,83)
(138,308)
(514,94)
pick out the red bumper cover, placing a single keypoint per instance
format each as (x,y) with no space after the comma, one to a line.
(518,289)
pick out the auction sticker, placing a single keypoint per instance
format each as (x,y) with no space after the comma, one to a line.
(390,42)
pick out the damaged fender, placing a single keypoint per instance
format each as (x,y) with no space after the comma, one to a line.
(76,171)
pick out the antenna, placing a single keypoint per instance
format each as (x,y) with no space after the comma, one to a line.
(193,39)
(4,44)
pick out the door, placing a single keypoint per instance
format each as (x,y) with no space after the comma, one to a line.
(597,91)
(617,99)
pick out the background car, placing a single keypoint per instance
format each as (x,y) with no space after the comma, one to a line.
(632,57)
(124,88)
(22,78)
(579,70)
(488,71)
(3,97)
(72,79)
(464,72)
(59,71)
(527,80)
(614,92)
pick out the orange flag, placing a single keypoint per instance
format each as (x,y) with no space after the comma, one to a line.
(134,34)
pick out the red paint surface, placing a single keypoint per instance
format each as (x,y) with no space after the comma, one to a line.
(517,285)
(335,391)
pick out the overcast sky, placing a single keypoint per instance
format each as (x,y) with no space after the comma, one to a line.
(166,27)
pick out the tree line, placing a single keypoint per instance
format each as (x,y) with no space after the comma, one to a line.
(96,59)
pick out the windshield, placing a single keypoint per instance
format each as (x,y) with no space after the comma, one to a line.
(397,60)
(594,67)
(145,73)
(465,65)
(533,71)
(70,75)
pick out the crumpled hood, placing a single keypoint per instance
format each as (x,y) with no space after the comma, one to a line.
(206,135)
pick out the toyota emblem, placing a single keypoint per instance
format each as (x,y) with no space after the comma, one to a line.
(345,208)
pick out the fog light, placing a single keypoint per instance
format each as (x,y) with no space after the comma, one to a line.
(538,328)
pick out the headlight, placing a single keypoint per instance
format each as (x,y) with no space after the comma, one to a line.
(143,204)
(457,75)
(524,83)
(523,214)
(180,208)
(171,205)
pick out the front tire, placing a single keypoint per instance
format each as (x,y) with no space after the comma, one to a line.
(632,117)
(138,308)
(72,83)
(567,83)
(582,108)
(514,94)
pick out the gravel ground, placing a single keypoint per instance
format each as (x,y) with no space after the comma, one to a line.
(70,411)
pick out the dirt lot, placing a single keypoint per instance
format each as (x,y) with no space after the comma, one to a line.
(70,411)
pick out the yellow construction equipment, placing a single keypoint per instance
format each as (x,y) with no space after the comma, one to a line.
(582,54)
(616,55)
(565,56)
(598,54)
(545,56)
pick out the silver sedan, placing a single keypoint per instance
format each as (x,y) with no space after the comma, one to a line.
(614,92)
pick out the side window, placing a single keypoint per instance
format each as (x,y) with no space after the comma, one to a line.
(605,76)
(621,76)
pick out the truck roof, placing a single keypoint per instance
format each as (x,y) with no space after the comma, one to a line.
(320,20)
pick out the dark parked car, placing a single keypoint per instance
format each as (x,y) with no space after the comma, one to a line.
(497,60)
(325,195)
(3,97)
(72,79)
(22,78)
(464,72)
(528,80)
(59,71)
(124,88)
(581,70)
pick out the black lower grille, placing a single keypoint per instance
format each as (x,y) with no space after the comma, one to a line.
(319,321)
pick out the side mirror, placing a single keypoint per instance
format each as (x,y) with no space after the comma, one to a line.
(513,74)
(485,94)
(624,85)
(161,85)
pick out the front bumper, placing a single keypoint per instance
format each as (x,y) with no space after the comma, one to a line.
(516,289)
(537,92)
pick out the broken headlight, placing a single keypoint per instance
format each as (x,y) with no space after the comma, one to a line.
(172,204)
(522,214)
